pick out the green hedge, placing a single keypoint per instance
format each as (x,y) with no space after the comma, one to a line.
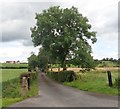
(13,67)
(62,76)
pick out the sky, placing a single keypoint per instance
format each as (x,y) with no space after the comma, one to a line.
(17,16)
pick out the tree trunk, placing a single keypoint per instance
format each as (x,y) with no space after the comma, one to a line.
(64,65)
(64,61)
(64,68)
(51,67)
(59,68)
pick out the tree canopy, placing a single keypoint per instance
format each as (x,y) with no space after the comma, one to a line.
(66,34)
(32,62)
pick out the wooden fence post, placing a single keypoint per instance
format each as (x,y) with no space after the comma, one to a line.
(110,78)
(28,80)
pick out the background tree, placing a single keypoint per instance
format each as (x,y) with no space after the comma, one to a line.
(65,33)
(32,62)
(43,58)
(119,61)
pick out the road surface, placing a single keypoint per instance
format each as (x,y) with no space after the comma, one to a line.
(53,94)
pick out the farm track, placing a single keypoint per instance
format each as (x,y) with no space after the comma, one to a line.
(53,94)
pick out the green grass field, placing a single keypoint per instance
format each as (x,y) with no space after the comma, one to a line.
(8,74)
(95,82)
(17,66)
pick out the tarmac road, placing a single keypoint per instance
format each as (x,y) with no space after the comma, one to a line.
(53,94)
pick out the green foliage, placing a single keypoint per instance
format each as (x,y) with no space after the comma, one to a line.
(62,76)
(64,33)
(83,60)
(118,61)
(108,64)
(43,58)
(117,83)
(32,62)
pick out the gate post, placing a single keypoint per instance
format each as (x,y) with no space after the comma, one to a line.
(110,78)
(24,86)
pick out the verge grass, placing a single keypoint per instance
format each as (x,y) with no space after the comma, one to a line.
(13,97)
(94,82)
(11,87)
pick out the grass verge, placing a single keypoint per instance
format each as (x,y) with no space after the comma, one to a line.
(12,91)
(94,82)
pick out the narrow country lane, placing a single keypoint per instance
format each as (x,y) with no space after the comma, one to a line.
(53,94)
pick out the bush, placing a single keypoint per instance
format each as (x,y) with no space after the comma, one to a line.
(62,76)
(117,82)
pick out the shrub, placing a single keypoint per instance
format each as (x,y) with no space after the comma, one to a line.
(117,82)
(62,76)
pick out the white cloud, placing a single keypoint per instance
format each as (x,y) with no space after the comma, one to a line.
(16,51)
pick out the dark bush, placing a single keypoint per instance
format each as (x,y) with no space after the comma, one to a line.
(62,76)
(117,82)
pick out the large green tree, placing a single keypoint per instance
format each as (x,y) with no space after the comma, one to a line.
(65,33)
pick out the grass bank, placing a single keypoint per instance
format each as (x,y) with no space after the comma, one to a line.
(94,82)
(11,90)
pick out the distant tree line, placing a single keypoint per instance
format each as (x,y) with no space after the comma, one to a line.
(107,61)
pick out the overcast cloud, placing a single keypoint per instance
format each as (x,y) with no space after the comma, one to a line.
(18,17)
